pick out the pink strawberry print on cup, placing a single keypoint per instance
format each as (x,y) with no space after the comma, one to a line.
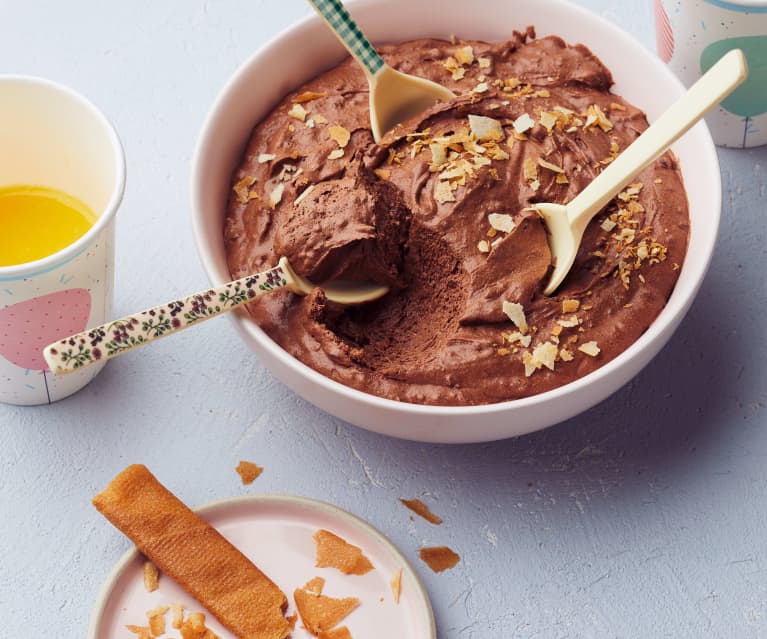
(29,326)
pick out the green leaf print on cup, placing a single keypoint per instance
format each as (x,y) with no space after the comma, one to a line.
(750,98)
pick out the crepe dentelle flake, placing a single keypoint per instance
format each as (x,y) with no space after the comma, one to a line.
(249,472)
(319,613)
(465,321)
(439,558)
(422,510)
(342,632)
(194,555)
(396,585)
(335,552)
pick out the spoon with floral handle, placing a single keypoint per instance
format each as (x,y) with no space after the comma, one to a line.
(115,338)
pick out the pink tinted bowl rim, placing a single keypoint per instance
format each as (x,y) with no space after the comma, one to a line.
(50,262)
(649,343)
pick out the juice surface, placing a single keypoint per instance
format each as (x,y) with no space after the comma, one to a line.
(36,221)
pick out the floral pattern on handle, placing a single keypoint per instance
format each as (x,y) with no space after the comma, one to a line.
(112,339)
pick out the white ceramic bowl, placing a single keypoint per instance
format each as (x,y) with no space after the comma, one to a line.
(308,47)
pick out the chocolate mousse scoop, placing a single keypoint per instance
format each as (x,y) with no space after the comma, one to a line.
(441,211)
(350,228)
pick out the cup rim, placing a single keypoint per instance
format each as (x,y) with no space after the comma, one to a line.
(50,262)
(744,6)
(669,318)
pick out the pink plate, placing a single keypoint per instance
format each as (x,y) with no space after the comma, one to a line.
(275,532)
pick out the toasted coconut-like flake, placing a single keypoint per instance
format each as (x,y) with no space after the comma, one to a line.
(485,128)
(523,123)
(275,197)
(595,115)
(561,179)
(565,355)
(516,313)
(483,246)
(530,365)
(242,189)
(384,174)
(548,120)
(443,193)
(339,135)
(501,222)
(545,354)
(298,112)
(452,65)
(614,106)
(438,154)
(570,306)
(308,96)
(590,348)
(569,322)
(465,55)
(303,195)
(535,185)
(336,154)
(550,166)
(608,225)
(263,158)
(530,169)
(484,62)
(518,338)
(482,87)
(320,119)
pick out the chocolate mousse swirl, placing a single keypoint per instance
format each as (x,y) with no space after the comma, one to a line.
(441,212)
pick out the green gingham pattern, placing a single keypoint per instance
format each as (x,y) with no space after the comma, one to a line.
(346,29)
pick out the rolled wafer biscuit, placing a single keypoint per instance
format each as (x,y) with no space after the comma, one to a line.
(195,555)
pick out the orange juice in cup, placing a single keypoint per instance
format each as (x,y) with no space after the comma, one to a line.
(37,221)
(62,175)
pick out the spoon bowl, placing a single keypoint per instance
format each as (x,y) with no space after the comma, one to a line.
(567,222)
(394,96)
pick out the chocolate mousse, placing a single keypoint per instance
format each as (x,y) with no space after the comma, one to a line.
(442,212)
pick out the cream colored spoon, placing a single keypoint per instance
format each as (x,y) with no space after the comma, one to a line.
(394,96)
(567,222)
(118,337)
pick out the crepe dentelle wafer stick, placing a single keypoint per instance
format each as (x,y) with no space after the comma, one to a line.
(195,555)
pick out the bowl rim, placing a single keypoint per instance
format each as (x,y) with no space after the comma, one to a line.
(674,310)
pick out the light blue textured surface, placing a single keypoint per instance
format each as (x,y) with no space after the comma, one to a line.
(644,517)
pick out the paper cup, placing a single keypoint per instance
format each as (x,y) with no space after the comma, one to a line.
(693,34)
(50,136)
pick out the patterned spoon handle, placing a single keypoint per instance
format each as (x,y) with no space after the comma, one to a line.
(115,338)
(342,24)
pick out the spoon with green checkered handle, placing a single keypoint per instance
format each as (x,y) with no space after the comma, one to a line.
(120,336)
(394,96)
